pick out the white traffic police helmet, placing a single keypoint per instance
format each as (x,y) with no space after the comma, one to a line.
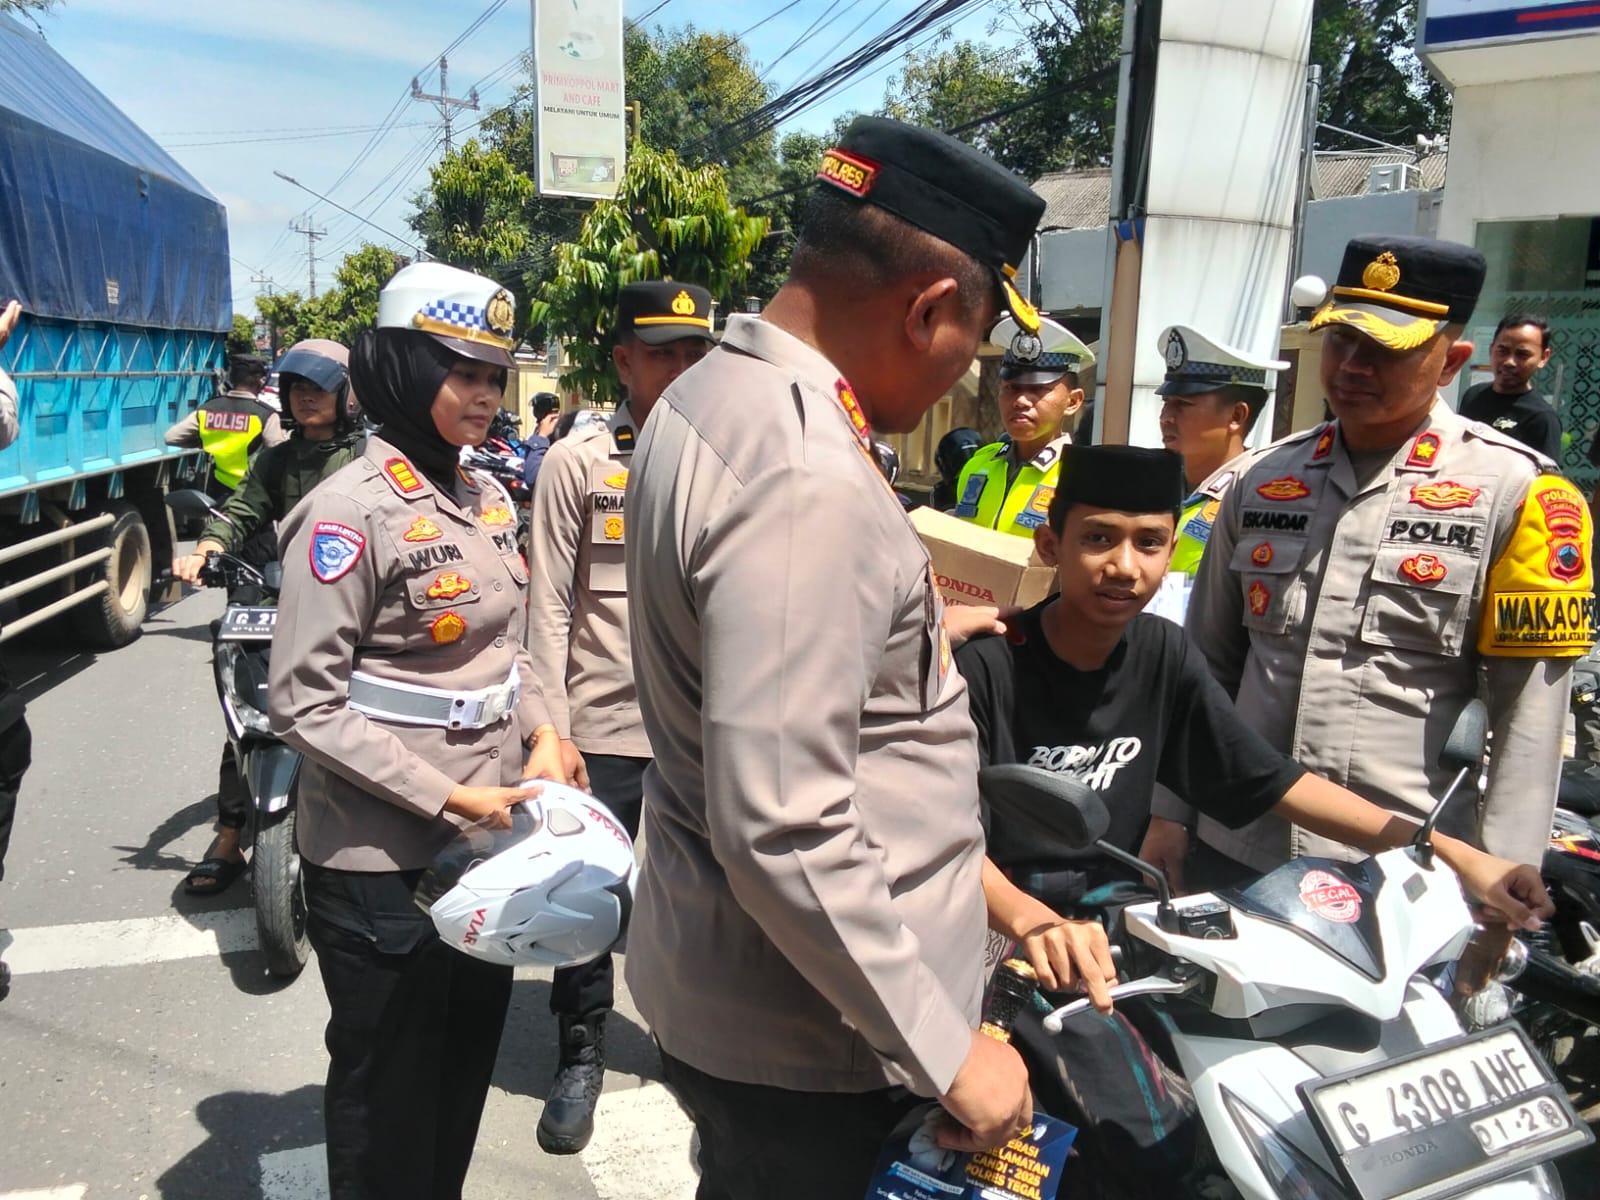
(554,890)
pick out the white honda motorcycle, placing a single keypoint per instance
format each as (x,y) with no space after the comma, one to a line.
(1325,1062)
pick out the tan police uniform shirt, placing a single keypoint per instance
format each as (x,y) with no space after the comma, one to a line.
(387,575)
(578,594)
(810,913)
(1346,621)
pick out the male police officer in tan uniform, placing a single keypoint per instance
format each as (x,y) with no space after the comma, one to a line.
(809,925)
(578,637)
(1367,578)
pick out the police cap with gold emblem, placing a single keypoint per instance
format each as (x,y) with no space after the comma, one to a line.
(1400,291)
(1048,356)
(1134,479)
(945,188)
(468,313)
(663,311)
(1197,364)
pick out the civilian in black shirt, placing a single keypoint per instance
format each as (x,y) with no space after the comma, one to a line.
(1520,349)
(1085,685)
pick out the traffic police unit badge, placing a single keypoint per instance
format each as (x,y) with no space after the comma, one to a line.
(335,550)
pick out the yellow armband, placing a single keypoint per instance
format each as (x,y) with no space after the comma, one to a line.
(1540,598)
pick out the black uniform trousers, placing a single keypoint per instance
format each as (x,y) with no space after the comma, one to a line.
(770,1143)
(16,753)
(412,1038)
(617,781)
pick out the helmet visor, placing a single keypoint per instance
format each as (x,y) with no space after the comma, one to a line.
(321,370)
(476,843)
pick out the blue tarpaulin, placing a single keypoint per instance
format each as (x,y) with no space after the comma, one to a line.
(98,222)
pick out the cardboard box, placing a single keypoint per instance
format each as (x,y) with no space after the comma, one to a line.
(973,565)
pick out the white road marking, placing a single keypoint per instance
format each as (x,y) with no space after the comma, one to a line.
(642,1146)
(73,1191)
(299,1174)
(128,943)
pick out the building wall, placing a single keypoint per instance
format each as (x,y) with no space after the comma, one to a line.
(1333,222)
(1072,267)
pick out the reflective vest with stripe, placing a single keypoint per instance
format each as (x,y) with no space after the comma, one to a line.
(230,427)
(983,498)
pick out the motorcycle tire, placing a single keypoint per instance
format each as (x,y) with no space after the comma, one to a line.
(280,896)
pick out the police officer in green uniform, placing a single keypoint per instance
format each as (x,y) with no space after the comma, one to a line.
(233,426)
(1008,485)
(1211,398)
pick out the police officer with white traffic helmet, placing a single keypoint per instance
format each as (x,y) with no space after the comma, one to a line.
(399,671)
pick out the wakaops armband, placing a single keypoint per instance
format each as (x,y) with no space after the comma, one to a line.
(1540,598)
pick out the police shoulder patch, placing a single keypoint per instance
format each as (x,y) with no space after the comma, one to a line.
(1539,602)
(400,475)
(335,550)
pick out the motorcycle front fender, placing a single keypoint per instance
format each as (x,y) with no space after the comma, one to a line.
(270,772)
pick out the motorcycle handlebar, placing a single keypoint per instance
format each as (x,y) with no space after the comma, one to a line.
(1548,979)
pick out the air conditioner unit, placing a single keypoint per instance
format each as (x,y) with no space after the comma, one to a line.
(1393,177)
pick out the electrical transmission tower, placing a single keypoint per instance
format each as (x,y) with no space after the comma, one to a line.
(311,233)
(444,102)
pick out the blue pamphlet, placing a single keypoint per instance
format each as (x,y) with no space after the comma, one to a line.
(913,1166)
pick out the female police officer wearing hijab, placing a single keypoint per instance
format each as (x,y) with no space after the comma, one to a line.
(398,669)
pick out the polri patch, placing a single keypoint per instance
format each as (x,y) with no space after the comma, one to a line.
(447,627)
(1324,446)
(422,530)
(619,480)
(404,478)
(1262,554)
(613,529)
(498,515)
(335,550)
(1424,450)
(449,585)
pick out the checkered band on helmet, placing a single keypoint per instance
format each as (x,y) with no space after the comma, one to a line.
(1221,372)
(453,312)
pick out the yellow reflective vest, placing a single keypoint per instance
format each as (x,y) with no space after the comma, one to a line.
(230,427)
(983,497)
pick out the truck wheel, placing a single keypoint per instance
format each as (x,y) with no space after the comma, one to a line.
(113,618)
(280,896)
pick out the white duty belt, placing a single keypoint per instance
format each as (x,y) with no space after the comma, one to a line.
(413,704)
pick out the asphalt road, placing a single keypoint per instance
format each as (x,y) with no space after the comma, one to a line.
(144,1051)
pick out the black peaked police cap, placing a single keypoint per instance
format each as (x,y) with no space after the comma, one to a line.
(1400,291)
(945,188)
(661,311)
(1134,479)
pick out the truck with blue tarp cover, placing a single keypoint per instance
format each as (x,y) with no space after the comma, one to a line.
(119,258)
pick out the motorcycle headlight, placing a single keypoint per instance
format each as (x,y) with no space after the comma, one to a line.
(1293,1174)
(245,694)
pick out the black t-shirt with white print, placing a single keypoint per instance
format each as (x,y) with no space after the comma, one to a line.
(1153,714)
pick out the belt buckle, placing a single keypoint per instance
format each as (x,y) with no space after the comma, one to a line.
(464,713)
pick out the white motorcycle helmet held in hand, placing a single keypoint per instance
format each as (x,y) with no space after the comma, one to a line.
(554,890)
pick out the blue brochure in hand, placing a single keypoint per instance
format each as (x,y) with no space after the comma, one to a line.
(913,1166)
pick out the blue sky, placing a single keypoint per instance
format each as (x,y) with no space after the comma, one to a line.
(236,89)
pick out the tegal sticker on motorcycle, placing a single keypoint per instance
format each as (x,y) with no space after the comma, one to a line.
(1329,897)
(335,550)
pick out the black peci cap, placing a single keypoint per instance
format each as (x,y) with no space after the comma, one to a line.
(1400,291)
(1133,479)
(246,366)
(945,188)
(664,311)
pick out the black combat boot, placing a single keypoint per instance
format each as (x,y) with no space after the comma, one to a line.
(568,1119)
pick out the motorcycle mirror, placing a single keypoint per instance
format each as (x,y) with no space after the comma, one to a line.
(190,501)
(1463,751)
(1468,739)
(1054,809)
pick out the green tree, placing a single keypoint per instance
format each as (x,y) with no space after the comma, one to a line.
(351,305)
(477,218)
(1372,81)
(947,88)
(669,221)
(242,339)
(286,318)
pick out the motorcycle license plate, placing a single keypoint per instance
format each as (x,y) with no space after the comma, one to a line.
(242,624)
(1456,1115)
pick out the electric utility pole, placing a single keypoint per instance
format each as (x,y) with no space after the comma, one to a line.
(443,101)
(311,233)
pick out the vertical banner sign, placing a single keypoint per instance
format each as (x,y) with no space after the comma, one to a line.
(577,61)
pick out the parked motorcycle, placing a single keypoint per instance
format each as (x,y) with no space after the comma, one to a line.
(1325,1060)
(240,656)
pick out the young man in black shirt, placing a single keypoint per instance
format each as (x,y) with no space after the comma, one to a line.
(1509,403)
(1086,685)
